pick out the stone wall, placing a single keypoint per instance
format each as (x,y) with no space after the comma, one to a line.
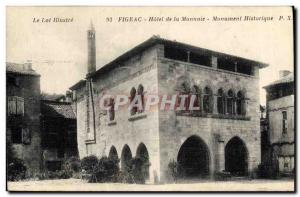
(163,132)
(125,129)
(215,132)
(29,89)
(275,108)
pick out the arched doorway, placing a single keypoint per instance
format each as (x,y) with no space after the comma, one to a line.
(236,157)
(193,158)
(113,154)
(142,153)
(126,157)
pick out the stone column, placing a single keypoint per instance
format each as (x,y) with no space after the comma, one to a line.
(221,154)
(215,104)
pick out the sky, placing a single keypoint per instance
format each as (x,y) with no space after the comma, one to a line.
(58,51)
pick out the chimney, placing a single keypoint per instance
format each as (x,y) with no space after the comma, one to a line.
(27,65)
(68,96)
(283,73)
(91,33)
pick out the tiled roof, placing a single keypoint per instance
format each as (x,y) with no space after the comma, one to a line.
(286,79)
(20,69)
(57,109)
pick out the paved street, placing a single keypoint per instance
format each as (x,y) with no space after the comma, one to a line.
(80,185)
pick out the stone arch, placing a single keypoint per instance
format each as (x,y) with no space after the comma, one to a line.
(193,158)
(143,154)
(236,157)
(113,154)
(126,157)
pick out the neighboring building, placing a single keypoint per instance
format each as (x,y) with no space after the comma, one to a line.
(23,114)
(42,133)
(280,116)
(224,135)
(58,125)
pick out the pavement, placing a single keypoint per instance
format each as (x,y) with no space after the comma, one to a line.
(83,186)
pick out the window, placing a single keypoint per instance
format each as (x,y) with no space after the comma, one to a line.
(184,89)
(240,104)
(197,93)
(141,94)
(176,53)
(226,63)
(221,102)
(203,60)
(111,110)
(230,102)
(12,81)
(132,96)
(16,135)
(15,105)
(207,100)
(244,67)
(284,122)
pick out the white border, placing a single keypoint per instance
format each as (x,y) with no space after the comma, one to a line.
(5,3)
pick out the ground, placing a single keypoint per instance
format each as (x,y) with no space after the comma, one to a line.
(80,185)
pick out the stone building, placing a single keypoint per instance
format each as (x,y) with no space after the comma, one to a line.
(223,135)
(42,132)
(281,127)
(58,126)
(23,114)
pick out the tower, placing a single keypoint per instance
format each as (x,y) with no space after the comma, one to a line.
(91,49)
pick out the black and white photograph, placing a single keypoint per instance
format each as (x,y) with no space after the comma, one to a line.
(150,99)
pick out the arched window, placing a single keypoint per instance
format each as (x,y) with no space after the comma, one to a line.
(207,100)
(132,96)
(197,93)
(184,89)
(240,104)
(221,102)
(230,102)
(111,110)
(141,94)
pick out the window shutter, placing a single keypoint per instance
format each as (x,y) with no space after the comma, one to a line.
(11,105)
(20,106)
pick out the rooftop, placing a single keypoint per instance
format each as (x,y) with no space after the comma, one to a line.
(23,69)
(286,79)
(157,40)
(57,109)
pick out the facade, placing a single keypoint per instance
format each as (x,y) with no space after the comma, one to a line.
(223,135)
(281,128)
(23,114)
(58,126)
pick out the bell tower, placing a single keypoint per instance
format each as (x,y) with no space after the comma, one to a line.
(91,36)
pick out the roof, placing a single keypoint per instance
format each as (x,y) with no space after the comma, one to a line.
(157,40)
(286,79)
(23,69)
(57,109)
(51,97)
(77,85)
